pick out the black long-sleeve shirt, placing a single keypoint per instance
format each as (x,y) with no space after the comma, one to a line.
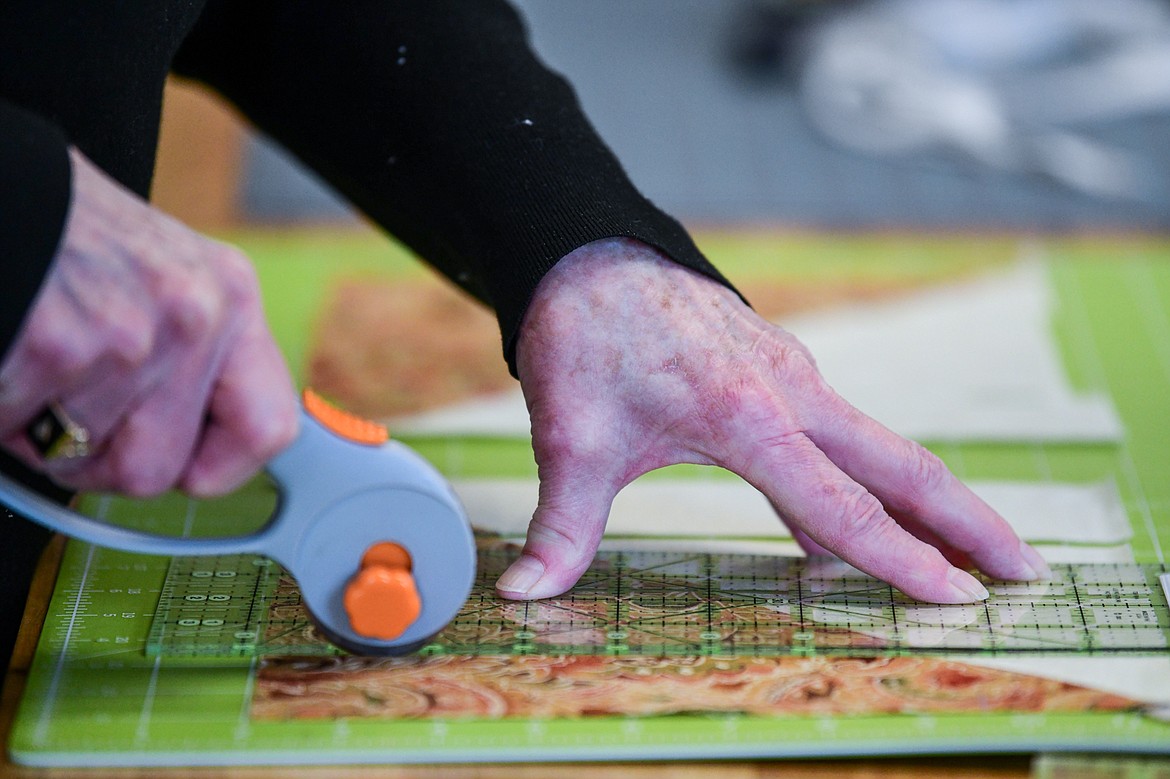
(433,116)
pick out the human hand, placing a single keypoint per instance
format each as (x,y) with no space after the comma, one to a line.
(630,362)
(153,338)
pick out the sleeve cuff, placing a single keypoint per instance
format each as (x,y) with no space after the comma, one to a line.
(34,203)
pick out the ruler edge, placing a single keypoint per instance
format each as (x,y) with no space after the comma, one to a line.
(1163,578)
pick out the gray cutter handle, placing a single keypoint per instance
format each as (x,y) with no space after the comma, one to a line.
(343,497)
(337,498)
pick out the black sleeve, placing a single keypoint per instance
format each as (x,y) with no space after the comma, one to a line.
(35,184)
(35,180)
(437,120)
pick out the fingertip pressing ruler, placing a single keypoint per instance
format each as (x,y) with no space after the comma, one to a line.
(671,604)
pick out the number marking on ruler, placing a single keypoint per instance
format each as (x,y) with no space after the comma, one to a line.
(212,606)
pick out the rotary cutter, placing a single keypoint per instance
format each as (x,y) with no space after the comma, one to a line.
(375,537)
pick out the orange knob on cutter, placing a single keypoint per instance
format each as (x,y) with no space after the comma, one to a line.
(342,423)
(382,601)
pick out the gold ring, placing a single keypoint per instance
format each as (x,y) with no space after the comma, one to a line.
(56,436)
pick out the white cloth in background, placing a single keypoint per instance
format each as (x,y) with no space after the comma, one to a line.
(730,508)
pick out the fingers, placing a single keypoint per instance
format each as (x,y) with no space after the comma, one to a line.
(94,395)
(145,410)
(918,489)
(251,417)
(187,433)
(61,355)
(206,440)
(839,514)
(148,450)
(922,532)
(810,547)
(151,337)
(563,536)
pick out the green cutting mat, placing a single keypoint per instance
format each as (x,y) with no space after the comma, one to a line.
(97,696)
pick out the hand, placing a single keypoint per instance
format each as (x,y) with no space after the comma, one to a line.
(630,362)
(153,338)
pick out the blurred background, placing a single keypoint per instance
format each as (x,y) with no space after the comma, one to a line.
(1014,115)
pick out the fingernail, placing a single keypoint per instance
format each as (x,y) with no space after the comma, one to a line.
(967,585)
(521,575)
(1039,568)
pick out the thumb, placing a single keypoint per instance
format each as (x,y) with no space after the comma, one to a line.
(563,536)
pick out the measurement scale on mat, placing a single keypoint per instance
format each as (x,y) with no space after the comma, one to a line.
(659,603)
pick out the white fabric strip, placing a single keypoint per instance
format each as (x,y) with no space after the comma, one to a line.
(730,508)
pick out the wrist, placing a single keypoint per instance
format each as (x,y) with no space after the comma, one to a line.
(608,287)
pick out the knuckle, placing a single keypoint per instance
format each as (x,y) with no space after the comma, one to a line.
(763,428)
(923,474)
(739,397)
(859,514)
(129,340)
(237,276)
(190,303)
(194,312)
(65,355)
(769,440)
(793,362)
(745,399)
(199,299)
(571,550)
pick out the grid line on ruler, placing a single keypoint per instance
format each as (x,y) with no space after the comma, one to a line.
(1081,611)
